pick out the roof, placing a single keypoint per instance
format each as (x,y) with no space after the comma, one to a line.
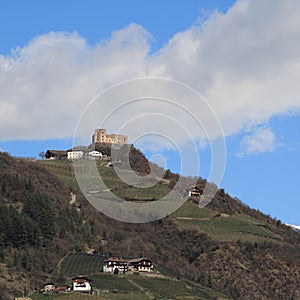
(81,278)
(78,148)
(62,287)
(57,152)
(117,259)
(139,259)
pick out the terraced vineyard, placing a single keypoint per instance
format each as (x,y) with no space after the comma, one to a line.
(64,169)
(223,228)
(115,283)
(166,288)
(165,285)
(81,264)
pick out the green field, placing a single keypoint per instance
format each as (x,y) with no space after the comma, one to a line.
(233,228)
(81,263)
(64,170)
(104,296)
(64,297)
(223,228)
(188,216)
(129,286)
(133,287)
(173,289)
(190,210)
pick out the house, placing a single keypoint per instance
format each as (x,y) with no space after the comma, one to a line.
(49,288)
(95,154)
(56,154)
(115,265)
(141,265)
(82,284)
(75,154)
(195,192)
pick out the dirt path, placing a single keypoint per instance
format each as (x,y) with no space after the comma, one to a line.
(196,219)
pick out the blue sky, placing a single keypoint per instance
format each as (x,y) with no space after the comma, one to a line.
(243,57)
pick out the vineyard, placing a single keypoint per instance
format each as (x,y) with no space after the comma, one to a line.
(163,284)
(81,264)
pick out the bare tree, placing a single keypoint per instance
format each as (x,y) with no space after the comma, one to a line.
(42,155)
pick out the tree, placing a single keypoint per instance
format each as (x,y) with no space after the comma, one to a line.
(209,281)
(202,276)
(39,209)
(42,155)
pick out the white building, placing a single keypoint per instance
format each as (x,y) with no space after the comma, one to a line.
(82,284)
(75,154)
(141,265)
(49,288)
(115,265)
(95,154)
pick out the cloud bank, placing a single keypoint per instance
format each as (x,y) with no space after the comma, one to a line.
(245,63)
(260,140)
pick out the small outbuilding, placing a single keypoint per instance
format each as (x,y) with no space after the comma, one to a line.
(49,288)
(95,154)
(62,289)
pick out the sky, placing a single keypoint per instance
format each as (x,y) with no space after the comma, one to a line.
(208,73)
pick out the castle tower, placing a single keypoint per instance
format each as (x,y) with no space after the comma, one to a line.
(100,136)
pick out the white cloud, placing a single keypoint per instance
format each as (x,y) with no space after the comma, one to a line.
(260,140)
(245,62)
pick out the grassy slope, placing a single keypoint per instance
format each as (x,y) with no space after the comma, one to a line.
(168,286)
(64,169)
(248,242)
(221,228)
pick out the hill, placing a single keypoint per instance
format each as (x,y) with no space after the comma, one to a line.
(227,245)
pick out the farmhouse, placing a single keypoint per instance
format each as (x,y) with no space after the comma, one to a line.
(81,284)
(195,192)
(56,154)
(75,154)
(115,265)
(140,265)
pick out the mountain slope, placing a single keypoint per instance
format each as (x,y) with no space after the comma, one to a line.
(227,245)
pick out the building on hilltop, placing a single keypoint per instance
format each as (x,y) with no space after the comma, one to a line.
(195,192)
(100,136)
(75,154)
(56,154)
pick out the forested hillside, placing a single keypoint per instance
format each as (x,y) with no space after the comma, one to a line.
(228,246)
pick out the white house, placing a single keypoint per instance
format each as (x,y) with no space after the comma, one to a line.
(75,154)
(81,284)
(95,154)
(141,265)
(115,265)
(49,288)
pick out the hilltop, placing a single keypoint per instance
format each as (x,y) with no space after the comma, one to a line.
(234,249)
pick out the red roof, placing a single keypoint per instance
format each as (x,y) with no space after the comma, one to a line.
(81,278)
